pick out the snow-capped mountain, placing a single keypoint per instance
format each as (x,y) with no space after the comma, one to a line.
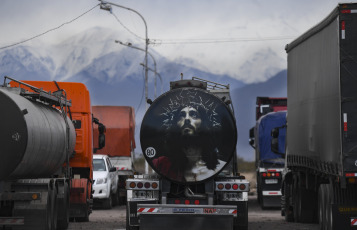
(114,76)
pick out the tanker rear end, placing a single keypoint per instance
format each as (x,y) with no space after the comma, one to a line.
(189,138)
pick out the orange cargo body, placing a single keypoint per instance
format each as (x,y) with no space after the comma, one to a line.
(120,128)
(81,111)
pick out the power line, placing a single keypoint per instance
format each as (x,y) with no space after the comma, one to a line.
(63,24)
(223,40)
(127,28)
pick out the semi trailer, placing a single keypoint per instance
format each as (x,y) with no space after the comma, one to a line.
(270,113)
(320,177)
(46,166)
(188,136)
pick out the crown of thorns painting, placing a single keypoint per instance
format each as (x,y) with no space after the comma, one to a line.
(188,135)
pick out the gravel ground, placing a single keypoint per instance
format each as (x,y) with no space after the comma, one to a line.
(258,219)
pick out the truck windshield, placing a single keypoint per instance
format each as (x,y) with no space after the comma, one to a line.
(98,165)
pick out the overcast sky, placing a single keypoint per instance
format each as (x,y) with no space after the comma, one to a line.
(221,36)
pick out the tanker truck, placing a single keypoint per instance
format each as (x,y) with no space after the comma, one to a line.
(119,146)
(188,136)
(269,165)
(46,165)
(320,177)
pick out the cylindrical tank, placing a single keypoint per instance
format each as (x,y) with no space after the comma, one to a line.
(188,135)
(33,137)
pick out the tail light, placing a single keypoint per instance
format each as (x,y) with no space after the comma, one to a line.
(136,184)
(234,186)
(187,202)
(271,174)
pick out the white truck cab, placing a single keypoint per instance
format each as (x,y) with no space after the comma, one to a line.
(105,180)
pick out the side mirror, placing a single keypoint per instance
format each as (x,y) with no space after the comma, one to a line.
(101,138)
(101,141)
(275,132)
(252,138)
(112,169)
(275,141)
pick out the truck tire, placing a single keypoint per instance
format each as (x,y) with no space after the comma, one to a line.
(286,201)
(64,221)
(49,210)
(329,200)
(305,203)
(107,204)
(296,200)
(321,206)
(115,198)
(54,207)
(84,218)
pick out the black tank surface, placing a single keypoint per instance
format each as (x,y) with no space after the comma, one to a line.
(188,135)
(33,138)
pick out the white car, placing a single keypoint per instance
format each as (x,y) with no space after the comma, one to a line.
(105,177)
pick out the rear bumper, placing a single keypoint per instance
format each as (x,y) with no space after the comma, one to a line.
(149,213)
(177,209)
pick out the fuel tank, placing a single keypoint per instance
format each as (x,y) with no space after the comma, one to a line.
(33,137)
(188,135)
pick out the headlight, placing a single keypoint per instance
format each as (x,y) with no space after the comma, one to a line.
(101,181)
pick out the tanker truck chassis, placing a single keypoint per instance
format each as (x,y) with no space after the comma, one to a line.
(197,197)
(39,188)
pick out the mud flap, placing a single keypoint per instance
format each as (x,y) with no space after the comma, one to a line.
(185,221)
(271,201)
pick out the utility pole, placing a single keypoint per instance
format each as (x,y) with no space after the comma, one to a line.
(156,73)
(107,6)
(152,57)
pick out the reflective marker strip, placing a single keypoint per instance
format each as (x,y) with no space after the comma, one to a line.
(343,32)
(353,222)
(12,221)
(122,168)
(345,122)
(147,209)
(271,193)
(351,174)
(348,11)
(233,211)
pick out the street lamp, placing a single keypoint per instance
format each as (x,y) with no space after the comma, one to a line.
(156,73)
(107,6)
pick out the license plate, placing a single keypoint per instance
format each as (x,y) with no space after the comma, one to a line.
(271,181)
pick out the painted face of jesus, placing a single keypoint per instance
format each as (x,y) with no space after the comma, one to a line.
(189,121)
